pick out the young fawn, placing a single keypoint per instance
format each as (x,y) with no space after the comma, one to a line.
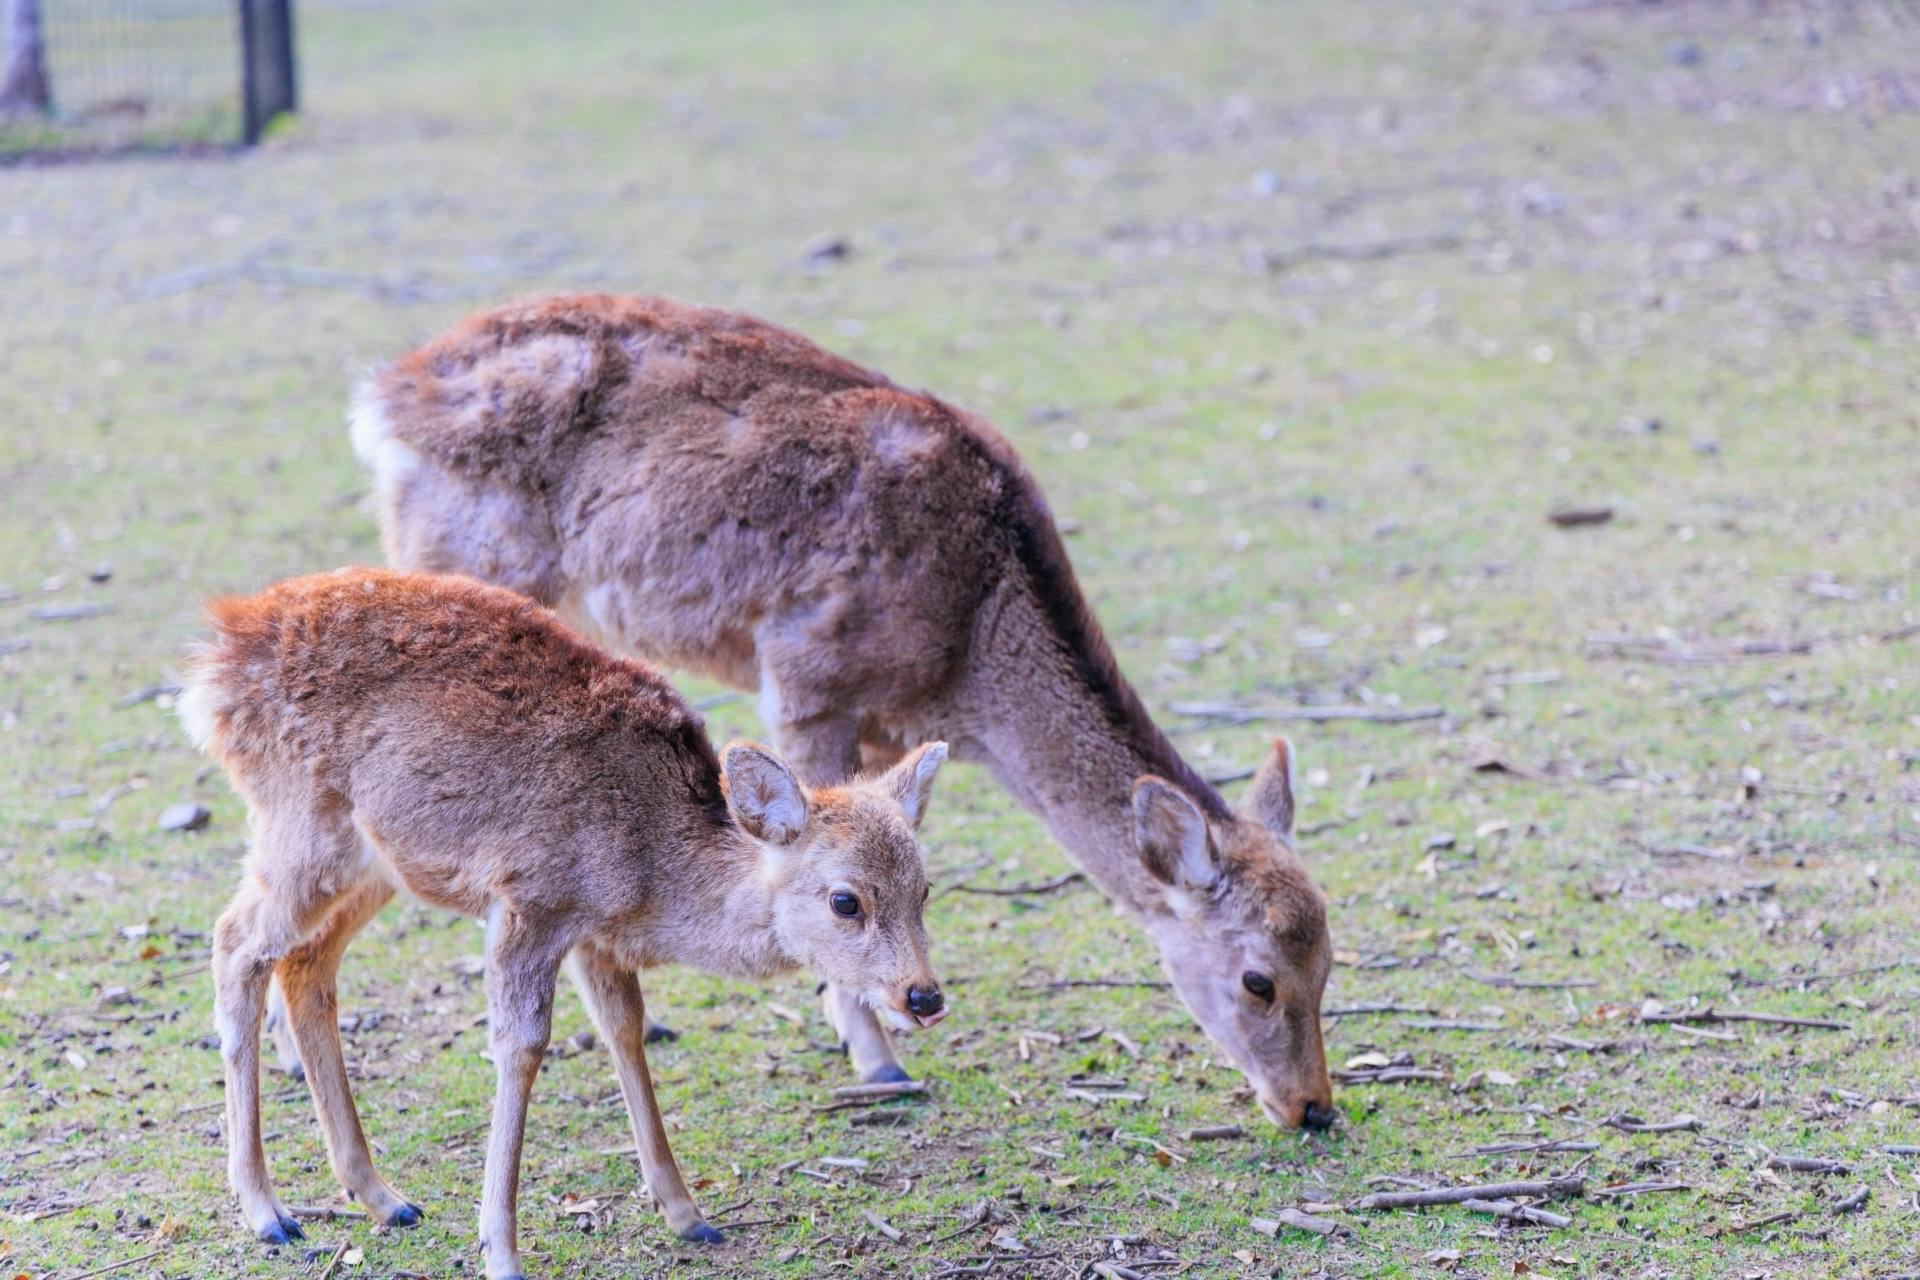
(716,493)
(408,731)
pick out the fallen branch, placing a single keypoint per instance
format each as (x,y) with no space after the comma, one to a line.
(1711,1014)
(1296,1219)
(1214,1133)
(325,1213)
(885,1089)
(1553,1189)
(1808,979)
(1277,261)
(1528,984)
(116,1266)
(1388,1075)
(1235,714)
(1852,1203)
(1518,1212)
(1625,1189)
(1633,1124)
(881,1225)
(1511,1148)
(1023,890)
(333,1263)
(1806,1164)
(1356,1010)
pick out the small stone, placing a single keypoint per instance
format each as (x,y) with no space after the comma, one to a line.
(825,250)
(185,816)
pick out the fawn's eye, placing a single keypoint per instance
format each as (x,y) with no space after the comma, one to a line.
(845,904)
(1258,985)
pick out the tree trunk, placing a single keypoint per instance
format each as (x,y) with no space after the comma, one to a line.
(24,86)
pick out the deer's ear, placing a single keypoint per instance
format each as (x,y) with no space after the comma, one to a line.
(1171,834)
(911,781)
(765,797)
(1270,799)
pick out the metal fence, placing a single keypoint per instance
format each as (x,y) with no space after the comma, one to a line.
(138,72)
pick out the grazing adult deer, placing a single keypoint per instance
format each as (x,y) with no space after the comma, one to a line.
(717,493)
(453,739)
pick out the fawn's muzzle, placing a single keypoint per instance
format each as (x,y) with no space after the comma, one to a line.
(926,1004)
(1318,1116)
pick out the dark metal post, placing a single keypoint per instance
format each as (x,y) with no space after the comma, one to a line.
(266,63)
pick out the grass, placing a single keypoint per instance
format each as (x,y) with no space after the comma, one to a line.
(1326,481)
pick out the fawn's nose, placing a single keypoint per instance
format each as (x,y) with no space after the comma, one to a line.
(924,1002)
(1319,1116)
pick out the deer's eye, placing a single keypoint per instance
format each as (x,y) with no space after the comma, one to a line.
(1258,985)
(845,904)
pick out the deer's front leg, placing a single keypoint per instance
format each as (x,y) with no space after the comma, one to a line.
(613,998)
(869,1047)
(523,962)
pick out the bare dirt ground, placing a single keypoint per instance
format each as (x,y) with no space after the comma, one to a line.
(1311,319)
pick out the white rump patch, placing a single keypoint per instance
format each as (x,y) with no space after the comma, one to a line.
(198,713)
(372,435)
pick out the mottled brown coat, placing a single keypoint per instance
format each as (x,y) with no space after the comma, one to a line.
(717,493)
(453,739)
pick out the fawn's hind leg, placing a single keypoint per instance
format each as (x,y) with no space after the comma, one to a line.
(308,976)
(613,998)
(278,903)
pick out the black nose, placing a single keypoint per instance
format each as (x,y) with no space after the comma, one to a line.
(924,1002)
(1319,1117)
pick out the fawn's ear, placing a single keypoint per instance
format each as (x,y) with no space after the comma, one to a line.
(1171,834)
(911,781)
(1270,799)
(765,797)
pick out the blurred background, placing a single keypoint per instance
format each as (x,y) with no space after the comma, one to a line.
(1546,363)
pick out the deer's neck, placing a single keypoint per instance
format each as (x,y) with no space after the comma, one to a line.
(1068,736)
(710,907)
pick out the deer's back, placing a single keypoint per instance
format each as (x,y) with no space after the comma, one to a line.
(716,485)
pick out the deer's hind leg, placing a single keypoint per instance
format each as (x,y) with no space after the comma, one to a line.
(309,977)
(286,893)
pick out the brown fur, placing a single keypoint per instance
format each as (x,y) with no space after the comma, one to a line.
(454,739)
(718,493)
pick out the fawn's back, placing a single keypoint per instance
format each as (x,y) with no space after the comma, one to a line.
(461,729)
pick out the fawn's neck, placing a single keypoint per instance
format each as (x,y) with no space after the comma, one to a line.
(711,908)
(1067,736)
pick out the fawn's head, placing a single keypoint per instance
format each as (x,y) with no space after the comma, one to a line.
(846,876)
(1244,934)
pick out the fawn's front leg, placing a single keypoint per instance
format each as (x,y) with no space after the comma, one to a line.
(613,998)
(523,961)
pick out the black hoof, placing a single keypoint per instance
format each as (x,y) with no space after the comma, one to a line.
(701,1233)
(284,1231)
(407,1215)
(892,1073)
(656,1034)
(297,1072)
